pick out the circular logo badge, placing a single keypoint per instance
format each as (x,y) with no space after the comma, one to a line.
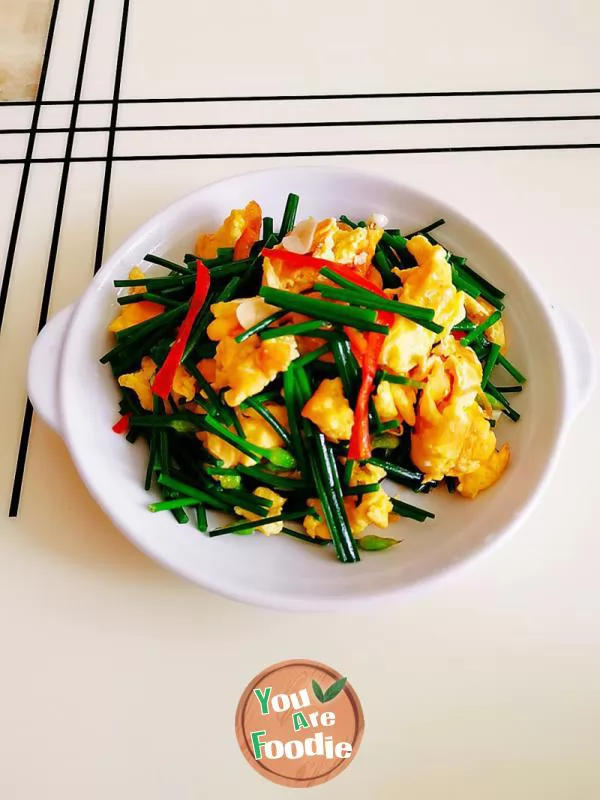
(299,723)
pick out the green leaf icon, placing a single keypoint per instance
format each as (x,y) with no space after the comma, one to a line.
(318,692)
(334,690)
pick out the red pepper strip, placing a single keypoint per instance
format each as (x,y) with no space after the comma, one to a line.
(360,440)
(163,382)
(458,335)
(122,424)
(358,342)
(345,272)
(296,259)
(244,243)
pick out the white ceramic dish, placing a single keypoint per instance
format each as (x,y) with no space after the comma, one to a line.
(77,396)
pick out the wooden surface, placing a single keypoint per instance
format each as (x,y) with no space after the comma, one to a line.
(22,34)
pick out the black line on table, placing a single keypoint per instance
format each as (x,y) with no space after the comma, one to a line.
(37,107)
(110,148)
(319,153)
(320,124)
(47,292)
(354,96)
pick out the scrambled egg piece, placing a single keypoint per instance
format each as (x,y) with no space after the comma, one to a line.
(478,310)
(336,242)
(461,441)
(330,411)
(332,241)
(256,430)
(251,234)
(451,434)
(279,275)
(270,528)
(136,274)
(207,368)
(228,234)
(317,528)
(134,313)
(248,367)
(140,382)
(363,474)
(485,475)
(428,285)
(225,321)
(234,316)
(395,401)
(278,411)
(184,385)
(374,508)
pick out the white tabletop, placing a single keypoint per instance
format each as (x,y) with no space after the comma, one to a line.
(119,679)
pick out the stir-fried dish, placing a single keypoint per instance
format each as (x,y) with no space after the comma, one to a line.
(282,376)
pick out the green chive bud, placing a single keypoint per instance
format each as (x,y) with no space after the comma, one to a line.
(373,542)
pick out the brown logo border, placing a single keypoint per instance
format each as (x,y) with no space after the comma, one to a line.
(246,745)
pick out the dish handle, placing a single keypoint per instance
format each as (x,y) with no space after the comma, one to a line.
(579,360)
(44,363)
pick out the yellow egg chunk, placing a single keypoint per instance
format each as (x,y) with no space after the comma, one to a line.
(134,313)
(405,346)
(279,275)
(451,435)
(184,386)
(136,274)
(334,241)
(256,430)
(140,382)
(485,475)
(315,528)
(207,368)
(330,411)
(230,231)
(318,529)
(478,445)
(249,366)
(374,508)
(395,401)
(363,474)
(225,452)
(437,388)
(384,402)
(429,285)
(271,528)
(278,411)
(478,310)
(457,445)
(323,240)
(225,321)
(464,369)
